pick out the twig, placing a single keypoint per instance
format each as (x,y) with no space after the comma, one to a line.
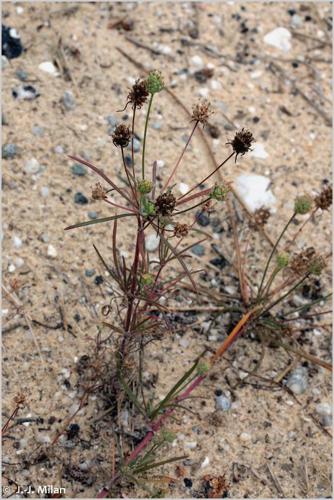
(275,482)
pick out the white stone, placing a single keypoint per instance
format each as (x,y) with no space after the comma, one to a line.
(184,342)
(183,188)
(45,191)
(203,92)
(244,436)
(197,61)
(32,166)
(11,268)
(253,190)
(191,445)
(19,262)
(160,163)
(215,85)
(279,38)
(256,74)
(152,242)
(258,151)
(19,10)
(52,252)
(48,67)
(17,242)
(205,462)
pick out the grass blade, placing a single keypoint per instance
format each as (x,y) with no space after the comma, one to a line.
(97,221)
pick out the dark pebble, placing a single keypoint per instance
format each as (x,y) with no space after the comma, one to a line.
(219,262)
(77,317)
(98,280)
(213,131)
(128,161)
(92,215)
(89,273)
(21,75)
(80,199)
(202,219)
(198,250)
(73,431)
(291,12)
(187,482)
(78,169)
(8,151)
(11,45)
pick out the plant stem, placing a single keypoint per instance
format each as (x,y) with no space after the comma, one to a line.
(180,158)
(191,208)
(145,134)
(285,295)
(132,137)
(272,253)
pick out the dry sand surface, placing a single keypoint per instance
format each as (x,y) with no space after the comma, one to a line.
(270,442)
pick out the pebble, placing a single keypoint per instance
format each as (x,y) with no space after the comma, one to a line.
(279,38)
(89,273)
(69,100)
(11,46)
(45,191)
(21,74)
(298,380)
(253,190)
(191,445)
(160,163)
(78,170)
(48,67)
(152,242)
(202,219)
(219,262)
(8,151)
(44,237)
(32,166)
(258,151)
(17,242)
(92,215)
(112,120)
(183,188)
(325,412)
(156,125)
(223,401)
(98,280)
(59,150)
(296,21)
(205,463)
(197,61)
(184,342)
(25,93)
(38,131)
(198,250)
(52,252)
(187,482)
(80,199)
(136,145)
(19,262)
(244,436)
(11,268)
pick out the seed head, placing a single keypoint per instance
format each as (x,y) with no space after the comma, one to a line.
(308,261)
(282,260)
(260,218)
(219,192)
(155,82)
(242,142)
(98,192)
(147,279)
(165,203)
(122,135)
(168,436)
(181,230)
(317,265)
(145,186)
(138,94)
(202,367)
(201,112)
(148,207)
(324,199)
(303,204)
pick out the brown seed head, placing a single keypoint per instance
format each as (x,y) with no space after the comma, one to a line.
(260,218)
(242,142)
(201,112)
(165,203)
(138,94)
(98,192)
(181,230)
(324,199)
(307,261)
(122,135)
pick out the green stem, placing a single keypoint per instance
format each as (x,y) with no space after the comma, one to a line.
(270,280)
(285,295)
(272,253)
(191,208)
(145,133)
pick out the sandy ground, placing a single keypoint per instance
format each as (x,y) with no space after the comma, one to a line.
(269,443)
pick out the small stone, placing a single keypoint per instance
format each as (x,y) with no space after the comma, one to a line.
(198,250)
(183,188)
(92,215)
(38,131)
(296,21)
(78,169)
(89,273)
(21,74)
(298,380)
(45,191)
(128,161)
(202,219)
(11,43)
(205,463)
(52,252)
(11,268)
(160,163)
(219,262)
(32,166)
(112,120)
(187,482)
(152,242)
(9,151)
(98,280)
(136,145)
(25,93)
(17,242)
(19,262)
(184,342)
(245,437)
(156,125)
(197,61)
(48,67)
(59,150)
(324,410)
(44,237)
(253,190)
(279,38)
(80,199)
(69,100)
(223,402)
(191,445)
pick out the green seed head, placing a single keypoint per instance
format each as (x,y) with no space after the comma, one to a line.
(148,207)
(317,265)
(282,260)
(168,436)
(219,192)
(145,186)
(155,82)
(203,367)
(303,204)
(147,279)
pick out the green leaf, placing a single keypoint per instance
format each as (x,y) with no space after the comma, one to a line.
(97,221)
(158,464)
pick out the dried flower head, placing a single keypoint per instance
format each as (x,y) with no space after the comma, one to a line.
(98,192)
(308,261)
(165,203)
(181,230)
(154,82)
(260,218)
(138,94)
(317,265)
(219,192)
(122,135)
(282,260)
(145,186)
(201,112)
(324,199)
(242,142)
(303,204)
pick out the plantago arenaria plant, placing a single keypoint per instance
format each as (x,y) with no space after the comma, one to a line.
(141,282)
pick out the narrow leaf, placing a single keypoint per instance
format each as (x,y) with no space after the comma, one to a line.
(97,221)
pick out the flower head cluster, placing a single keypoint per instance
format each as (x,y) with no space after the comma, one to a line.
(242,142)
(165,203)
(181,230)
(219,192)
(308,261)
(145,186)
(154,82)
(201,112)
(303,204)
(98,192)
(324,199)
(282,260)
(260,218)
(138,94)
(122,135)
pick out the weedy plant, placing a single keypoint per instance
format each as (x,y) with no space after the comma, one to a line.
(143,283)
